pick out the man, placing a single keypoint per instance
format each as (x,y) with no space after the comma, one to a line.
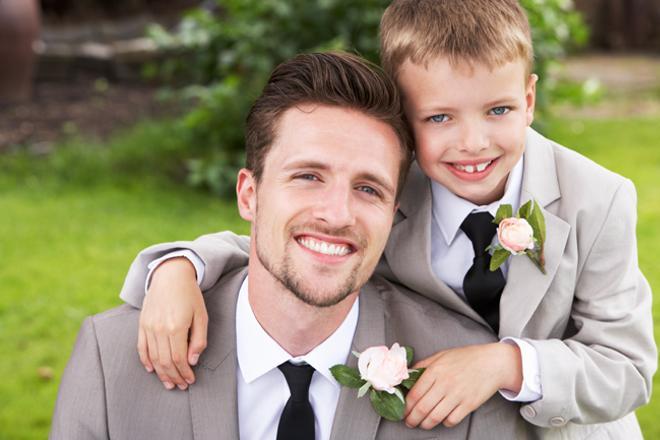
(327,152)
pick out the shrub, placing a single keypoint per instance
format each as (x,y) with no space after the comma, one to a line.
(227,51)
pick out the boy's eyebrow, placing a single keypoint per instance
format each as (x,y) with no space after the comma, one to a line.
(317,165)
(502,100)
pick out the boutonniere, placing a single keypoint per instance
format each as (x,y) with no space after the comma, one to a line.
(384,374)
(521,234)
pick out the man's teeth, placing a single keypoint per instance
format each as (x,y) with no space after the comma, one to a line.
(324,248)
(472,168)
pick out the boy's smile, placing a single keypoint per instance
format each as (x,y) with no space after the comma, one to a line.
(469,122)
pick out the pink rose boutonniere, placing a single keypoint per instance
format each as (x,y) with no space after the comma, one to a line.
(384,374)
(523,234)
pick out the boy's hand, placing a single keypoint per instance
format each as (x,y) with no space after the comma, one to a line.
(460,380)
(172,308)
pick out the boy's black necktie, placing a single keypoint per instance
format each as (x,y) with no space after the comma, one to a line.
(297,419)
(482,287)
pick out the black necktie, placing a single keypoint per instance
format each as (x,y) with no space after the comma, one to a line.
(482,287)
(297,419)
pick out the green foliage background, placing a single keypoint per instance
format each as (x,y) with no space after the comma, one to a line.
(227,54)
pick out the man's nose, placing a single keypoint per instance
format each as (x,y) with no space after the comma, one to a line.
(335,206)
(473,137)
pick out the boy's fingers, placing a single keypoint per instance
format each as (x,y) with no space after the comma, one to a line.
(143,351)
(163,362)
(179,351)
(198,333)
(438,413)
(456,416)
(415,413)
(153,356)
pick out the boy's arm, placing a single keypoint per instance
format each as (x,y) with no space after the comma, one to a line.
(174,313)
(80,411)
(604,370)
(220,253)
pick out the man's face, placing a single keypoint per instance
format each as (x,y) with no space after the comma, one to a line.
(324,206)
(469,123)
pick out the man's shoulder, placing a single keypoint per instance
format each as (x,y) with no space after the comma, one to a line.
(427,324)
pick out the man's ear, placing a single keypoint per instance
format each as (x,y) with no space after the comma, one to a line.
(530,97)
(246,194)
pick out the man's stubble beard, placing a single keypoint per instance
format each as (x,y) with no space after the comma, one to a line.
(286,275)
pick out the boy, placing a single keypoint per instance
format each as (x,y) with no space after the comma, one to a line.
(583,328)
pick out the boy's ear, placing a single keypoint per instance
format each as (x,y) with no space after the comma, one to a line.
(246,194)
(530,97)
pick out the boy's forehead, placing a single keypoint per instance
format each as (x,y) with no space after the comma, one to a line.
(443,83)
(459,65)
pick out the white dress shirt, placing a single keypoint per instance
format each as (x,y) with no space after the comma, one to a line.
(452,255)
(262,388)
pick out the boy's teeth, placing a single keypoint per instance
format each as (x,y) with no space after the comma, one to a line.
(471,168)
(323,247)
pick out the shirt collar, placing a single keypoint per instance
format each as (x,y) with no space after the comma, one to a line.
(258,353)
(449,210)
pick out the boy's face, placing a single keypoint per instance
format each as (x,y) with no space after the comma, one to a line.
(469,123)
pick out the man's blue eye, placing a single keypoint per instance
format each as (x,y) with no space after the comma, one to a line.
(499,111)
(308,177)
(439,118)
(369,190)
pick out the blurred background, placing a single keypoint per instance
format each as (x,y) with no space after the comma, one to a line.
(121,125)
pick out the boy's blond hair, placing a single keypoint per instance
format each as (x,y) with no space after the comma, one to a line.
(492,32)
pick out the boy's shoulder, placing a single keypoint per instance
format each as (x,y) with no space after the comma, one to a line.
(570,165)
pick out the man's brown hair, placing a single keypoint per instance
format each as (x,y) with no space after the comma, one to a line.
(491,32)
(332,78)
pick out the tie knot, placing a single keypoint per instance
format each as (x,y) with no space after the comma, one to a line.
(298,377)
(480,229)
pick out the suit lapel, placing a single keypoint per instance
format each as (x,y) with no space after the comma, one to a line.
(355,418)
(408,249)
(214,409)
(524,279)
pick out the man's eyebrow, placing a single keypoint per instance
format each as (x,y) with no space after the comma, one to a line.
(317,165)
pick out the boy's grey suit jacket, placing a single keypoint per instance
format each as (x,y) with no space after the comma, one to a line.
(589,316)
(106,394)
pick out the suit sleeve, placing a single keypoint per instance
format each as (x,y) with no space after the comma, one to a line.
(80,410)
(221,252)
(604,370)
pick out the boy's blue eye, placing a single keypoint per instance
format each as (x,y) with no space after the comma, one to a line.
(499,111)
(439,118)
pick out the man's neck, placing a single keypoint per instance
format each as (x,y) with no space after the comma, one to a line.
(296,326)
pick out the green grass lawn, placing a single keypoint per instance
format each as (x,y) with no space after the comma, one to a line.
(68,232)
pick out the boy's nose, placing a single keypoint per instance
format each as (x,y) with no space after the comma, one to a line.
(335,207)
(474,138)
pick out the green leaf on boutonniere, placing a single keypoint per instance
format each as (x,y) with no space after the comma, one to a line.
(347,376)
(409,354)
(412,378)
(537,222)
(525,210)
(387,405)
(504,211)
(499,257)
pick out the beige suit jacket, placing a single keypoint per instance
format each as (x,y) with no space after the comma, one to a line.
(589,317)
(106,394)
